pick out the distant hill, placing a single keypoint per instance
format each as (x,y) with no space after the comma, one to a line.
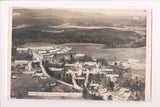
(34,26)
(51,17)
(110,37)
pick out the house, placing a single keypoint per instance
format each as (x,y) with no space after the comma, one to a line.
(69,65)
(90,63)
(26,68)
(43,77)
(69,72)
(42,51)
(52,50)
(108,71)
(79,55)
(13,77)
(68,48)
(67,58)
(21,50)
(28,72)
(56,69)
(39,74)
(94,85)
(48,57)
(80,78)
(113,77)
(21,62)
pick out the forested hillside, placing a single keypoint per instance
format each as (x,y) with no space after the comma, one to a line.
(42,25)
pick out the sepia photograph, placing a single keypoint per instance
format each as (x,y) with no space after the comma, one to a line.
(79,54)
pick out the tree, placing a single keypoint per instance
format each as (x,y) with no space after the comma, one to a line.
(102,60)
(85,92)
(110,97)
(112,85)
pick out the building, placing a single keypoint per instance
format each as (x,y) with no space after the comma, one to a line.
(67,57)
(21,50)
(90,63)
(60,52)
(80,78)
(113,77)
(68,48)
(108,71)
(42,51)
(53,50)
(48,57)
(56,69)
(79,55)
(21,62)
(28,72)
(39,74)
(94,85)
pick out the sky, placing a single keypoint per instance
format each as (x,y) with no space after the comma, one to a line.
(107,12)
(114,12)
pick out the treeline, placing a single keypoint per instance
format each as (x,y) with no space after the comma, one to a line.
(110,37)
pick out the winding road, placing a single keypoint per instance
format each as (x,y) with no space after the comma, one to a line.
(44,72)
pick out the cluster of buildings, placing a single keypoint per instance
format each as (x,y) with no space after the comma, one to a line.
(128,63)
(47,53)
(69,67)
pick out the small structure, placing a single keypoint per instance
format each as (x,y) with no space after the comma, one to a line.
(90,63)
(53,84)
(21,50)
(13,77)
(43,77)
(56,69)
(39,74)
(28,72)
(67,57)
(52,50)
(79,55)
(108,71)
(21,62)
(113,77)
(42,51)
(80,78)
(48,57)
(94,85)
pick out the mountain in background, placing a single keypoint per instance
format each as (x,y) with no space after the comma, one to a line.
(63,26)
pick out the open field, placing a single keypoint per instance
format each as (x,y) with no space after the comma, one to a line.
(38,44)
(98,51)
(25,83)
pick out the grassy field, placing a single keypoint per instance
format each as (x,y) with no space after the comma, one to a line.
(38,44)
(98,51)
(25,83)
